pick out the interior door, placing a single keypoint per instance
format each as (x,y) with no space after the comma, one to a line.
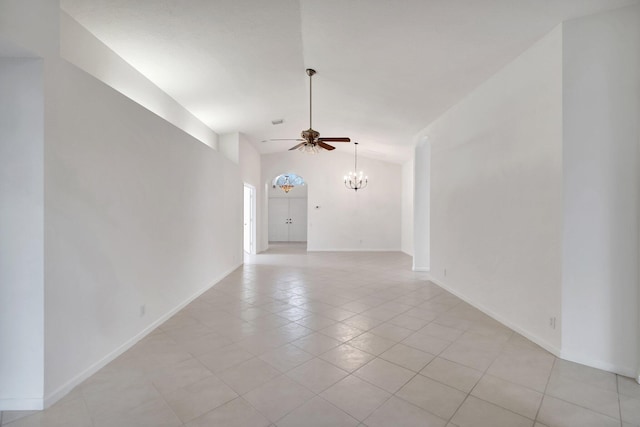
(278,220)
(248,219)
(297,220)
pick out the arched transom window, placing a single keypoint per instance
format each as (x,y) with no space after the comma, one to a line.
(287,181)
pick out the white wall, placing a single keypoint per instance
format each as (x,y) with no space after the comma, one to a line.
(601,72)
(250,167)
(496,193)
(26,29)
(31,25)
(229,146)
(422,205)
(407,208)
(344,220)
(137,213)
(21,233)
(83,49)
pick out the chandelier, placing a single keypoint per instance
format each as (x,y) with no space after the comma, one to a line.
(356,181)
(286,185)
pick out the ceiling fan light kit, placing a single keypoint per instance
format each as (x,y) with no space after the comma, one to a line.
(356,180)
(310,141)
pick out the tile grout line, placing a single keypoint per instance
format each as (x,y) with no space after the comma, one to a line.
(619,401)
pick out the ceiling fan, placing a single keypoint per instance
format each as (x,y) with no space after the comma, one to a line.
(311,140)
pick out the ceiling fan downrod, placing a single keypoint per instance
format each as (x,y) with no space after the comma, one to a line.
(310,73)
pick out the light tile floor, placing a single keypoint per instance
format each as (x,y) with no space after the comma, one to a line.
(338,339)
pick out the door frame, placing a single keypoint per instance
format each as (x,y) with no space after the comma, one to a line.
(271,183)
(252,218)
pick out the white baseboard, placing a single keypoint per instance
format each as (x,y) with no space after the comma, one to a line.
(424,269)
(598,364)
(577,358)
(531,337)
(26,404)
(62,391)
(353,250)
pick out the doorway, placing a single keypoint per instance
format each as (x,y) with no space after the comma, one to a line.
(249,229)
(288,220)
(288,210)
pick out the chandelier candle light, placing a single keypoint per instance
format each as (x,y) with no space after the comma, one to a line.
(356,181)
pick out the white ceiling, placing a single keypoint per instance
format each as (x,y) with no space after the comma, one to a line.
(386,68)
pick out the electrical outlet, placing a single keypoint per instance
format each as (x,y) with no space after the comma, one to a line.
(143,310)
(552,322)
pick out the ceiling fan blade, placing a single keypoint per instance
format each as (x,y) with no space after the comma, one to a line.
(284,139)
(297,146)
(341,139)
(326,146)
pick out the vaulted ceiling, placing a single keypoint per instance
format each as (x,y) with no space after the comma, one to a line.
(386,68)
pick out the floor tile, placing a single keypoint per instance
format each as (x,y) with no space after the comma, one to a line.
(206,344)
(471,356)
(237,413)
(442,332)
(364,327)
(198,398)
(371,343)
(153,413)
(585,374)
(409,322)
(590,397)
(384,374)
(356,397)
(317,375)
(286,357)
(119,399)
(453,374)
(248,375)
(427,343)
(478,413)
(380,313)
(558,413)
(8,416)
(346,357)
(337,314)
(318,413)
(513,397)
(278,397)
(341,332)
(315,322)
(630,410)
(628,387)
(422,313)
(407,357)
(362,322)
(432,396)
(225,357)
(68,414)
(399,413)
(530,369)
(316,343)
(290,332)
(179,375)
(391,332)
